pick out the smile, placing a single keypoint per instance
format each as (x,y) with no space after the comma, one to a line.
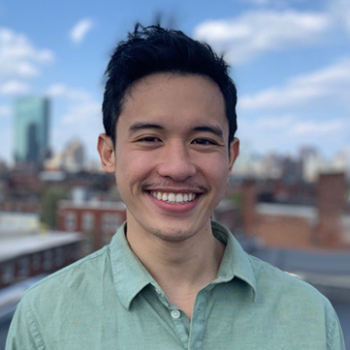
(174,197)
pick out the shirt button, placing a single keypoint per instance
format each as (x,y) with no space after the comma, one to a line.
(175,314)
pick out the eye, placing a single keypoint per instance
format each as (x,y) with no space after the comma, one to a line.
(149,139)
(204,142)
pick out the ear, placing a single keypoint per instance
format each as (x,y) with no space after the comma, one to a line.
(234,152)
(106,151)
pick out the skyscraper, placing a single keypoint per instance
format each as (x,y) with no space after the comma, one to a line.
(31,130)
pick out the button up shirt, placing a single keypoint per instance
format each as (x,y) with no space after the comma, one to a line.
(108,300)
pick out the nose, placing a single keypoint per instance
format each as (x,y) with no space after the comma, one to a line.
(176,162)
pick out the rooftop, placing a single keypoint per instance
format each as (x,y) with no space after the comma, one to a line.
(287,210)
(12,247)
(92,204)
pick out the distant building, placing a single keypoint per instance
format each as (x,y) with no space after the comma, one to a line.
(312,163)
(97,220)
(23,257)
(73,158)
(31,130)
(325,225)
(26,251)
(18,223)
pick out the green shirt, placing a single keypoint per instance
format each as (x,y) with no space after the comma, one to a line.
(109,301)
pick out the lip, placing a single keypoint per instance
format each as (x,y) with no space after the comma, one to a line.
(174,208)
(174,190)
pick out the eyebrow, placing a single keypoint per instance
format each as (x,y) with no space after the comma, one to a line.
(203,128)
(141,126)
(211,129)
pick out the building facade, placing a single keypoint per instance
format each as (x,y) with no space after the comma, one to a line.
(31,130)
(23,257)
(97,220)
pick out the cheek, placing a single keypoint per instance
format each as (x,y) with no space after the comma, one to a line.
(132,169)
(216,168)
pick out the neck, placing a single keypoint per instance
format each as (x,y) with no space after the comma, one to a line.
(182,267)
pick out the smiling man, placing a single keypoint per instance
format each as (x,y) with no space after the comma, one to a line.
(171,279)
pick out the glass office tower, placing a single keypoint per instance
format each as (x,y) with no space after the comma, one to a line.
(31,130)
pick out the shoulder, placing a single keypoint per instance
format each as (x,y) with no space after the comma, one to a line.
(296,304)
(65,283)
(59,301)
(287,289)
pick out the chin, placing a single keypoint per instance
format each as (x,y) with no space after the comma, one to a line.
(173,234)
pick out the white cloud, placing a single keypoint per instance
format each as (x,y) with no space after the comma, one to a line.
(318,129)
(84,114)
(61,90)
(13,87)
(293,126)
(287,132)
(6,137)
(256,32)
(80,30)
(5,111)
(19,58)
(277,3)
(82,120)
(259,2)
(328,86)
(340,11)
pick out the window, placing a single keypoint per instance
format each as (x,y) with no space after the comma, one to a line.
(70,221)
(36,261)
(59,257)
(8,273)
(88,223)
(23,267)
(47,265)
(111,222)
(76,251)
(87,248)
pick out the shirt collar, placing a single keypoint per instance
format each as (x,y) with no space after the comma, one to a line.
(235,262)
(130,276)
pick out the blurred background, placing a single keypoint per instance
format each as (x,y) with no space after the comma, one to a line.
(288,200)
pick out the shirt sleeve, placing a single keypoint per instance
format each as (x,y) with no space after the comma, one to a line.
(335,339)
(23,333)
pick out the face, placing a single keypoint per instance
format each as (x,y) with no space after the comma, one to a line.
(172,157)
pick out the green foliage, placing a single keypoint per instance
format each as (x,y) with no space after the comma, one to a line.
(235,198)
(49,204)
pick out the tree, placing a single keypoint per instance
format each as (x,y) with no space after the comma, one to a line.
(49,203)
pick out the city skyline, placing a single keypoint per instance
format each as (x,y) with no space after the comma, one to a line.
(290,61)
(32,119)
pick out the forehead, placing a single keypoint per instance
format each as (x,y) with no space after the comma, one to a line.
(174,99)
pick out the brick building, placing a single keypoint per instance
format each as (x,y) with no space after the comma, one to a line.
(22,257)
(97,220)
(325,225)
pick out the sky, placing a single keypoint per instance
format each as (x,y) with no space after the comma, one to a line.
(290,60)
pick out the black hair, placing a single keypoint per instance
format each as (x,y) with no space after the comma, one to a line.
(151,50)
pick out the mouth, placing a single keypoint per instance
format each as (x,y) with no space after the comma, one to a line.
(174,198)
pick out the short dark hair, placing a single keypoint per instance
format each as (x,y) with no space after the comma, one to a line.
(151,50)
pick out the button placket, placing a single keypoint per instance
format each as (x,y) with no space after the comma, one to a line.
(175,314)
(198,323)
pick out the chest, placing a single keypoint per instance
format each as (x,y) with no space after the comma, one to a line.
(218,322)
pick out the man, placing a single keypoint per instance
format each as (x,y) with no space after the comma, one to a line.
(171,279)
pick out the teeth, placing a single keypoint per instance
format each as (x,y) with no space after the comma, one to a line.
(174,197)
(178,198)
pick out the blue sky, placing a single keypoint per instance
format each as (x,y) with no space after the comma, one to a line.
(290,61)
